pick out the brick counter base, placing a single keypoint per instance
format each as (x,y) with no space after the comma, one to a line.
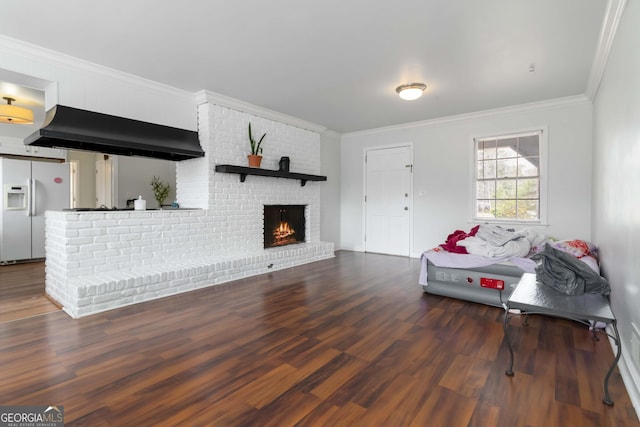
(105,291)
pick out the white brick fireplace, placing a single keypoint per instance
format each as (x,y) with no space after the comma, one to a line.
(97,261)
(237,208)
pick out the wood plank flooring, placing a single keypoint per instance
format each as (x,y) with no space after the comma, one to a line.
(22,292)
(350,341)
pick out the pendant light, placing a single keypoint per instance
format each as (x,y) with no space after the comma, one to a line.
(15,115)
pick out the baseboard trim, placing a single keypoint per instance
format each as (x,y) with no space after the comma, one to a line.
(630,376)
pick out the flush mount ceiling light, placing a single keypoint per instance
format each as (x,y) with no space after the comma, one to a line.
(411,91)
(15,115)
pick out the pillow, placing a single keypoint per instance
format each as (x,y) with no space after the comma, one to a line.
(577,248)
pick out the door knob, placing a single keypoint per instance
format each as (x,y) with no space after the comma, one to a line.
(406,208)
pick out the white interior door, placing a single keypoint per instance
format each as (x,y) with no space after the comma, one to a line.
(104,182)
(388,200)
(74,183)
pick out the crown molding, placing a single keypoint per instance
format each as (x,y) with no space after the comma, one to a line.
(610,24)
(33,52)
(205,96)
(533,106)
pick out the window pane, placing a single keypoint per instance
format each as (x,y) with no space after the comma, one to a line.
(489,149)
(528,209)
(528,189)
(506,209)
(486,190)
(528,166)
(529,145)
(506,189)
(507,148)
(485,209)
(507,168)
(489,168)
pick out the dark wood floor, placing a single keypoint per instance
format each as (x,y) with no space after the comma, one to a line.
(350,341)
(22,292)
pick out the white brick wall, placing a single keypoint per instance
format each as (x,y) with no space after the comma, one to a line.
(235,207)
(192,176)
(101,260)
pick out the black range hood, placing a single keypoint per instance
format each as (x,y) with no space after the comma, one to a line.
(71,128)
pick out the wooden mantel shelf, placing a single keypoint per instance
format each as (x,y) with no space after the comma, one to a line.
(243,171)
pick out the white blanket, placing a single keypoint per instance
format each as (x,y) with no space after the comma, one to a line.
(511,248)
(496,235)
(493,241)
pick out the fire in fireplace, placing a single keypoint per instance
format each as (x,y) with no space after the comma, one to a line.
(283,225)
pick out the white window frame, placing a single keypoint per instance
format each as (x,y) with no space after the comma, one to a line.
(543,142)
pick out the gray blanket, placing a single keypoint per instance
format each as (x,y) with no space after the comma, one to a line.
(567,274)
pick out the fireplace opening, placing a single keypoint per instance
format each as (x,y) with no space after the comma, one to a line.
(283,225)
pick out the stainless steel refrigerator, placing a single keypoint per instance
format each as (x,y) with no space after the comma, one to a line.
(29,188)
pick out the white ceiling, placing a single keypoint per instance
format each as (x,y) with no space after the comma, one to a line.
(335,63)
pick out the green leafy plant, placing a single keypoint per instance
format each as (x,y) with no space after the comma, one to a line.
(256,148)
(160,190)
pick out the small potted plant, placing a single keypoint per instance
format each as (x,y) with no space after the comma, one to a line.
(256,150)
(160,190)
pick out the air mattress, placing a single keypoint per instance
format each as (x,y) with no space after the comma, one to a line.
(489,285)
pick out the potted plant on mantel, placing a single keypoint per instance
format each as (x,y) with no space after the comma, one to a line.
(256,150)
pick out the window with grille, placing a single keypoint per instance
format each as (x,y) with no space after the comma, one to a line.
(507,177)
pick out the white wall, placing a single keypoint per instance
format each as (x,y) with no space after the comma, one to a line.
(135,175)
(616,177)
(80,84)
(442,173)
(86,179)
(330,190)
